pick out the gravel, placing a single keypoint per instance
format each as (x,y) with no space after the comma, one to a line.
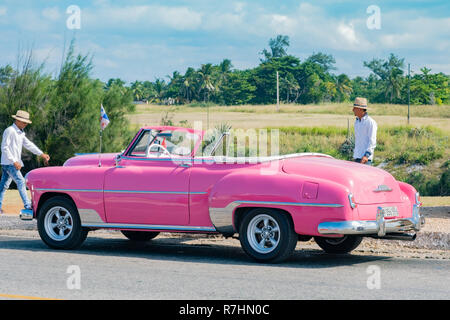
(433,241)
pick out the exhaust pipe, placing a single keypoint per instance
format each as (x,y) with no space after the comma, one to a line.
(398,236)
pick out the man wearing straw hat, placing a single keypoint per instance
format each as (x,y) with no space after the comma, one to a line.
(12,142)
(365,133)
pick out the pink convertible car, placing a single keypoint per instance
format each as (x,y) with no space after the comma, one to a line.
(159,183)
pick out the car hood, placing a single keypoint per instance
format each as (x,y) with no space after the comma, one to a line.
(368,184)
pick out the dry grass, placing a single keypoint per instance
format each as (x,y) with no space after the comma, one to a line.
(419,111)
(261,116)
(435,201)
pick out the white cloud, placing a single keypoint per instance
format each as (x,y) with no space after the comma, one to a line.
(135,17)
(414,31)
(52,14)
(3,11)
(348,33)
(283,24)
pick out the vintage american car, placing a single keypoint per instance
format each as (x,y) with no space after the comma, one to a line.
(159,183)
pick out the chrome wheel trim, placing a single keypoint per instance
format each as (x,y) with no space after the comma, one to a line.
(58,223)
(263,233)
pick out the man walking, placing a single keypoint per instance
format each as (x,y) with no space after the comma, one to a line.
(11,162)
(365,133)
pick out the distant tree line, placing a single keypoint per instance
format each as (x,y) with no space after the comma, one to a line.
(305,82)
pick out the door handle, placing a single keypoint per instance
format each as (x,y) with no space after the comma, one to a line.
(186,165)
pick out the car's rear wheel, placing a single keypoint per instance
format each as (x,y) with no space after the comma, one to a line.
(267,235)
(139,236)
(59,224)
(343,244)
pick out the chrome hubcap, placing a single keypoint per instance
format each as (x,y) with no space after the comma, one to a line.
(263,233)
(58,223)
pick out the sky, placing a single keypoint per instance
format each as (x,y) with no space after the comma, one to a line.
(145,40)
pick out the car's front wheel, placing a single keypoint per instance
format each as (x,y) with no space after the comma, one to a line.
(267,235)
(343,244)
(59,224)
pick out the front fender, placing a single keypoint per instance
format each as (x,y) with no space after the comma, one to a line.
(84,185)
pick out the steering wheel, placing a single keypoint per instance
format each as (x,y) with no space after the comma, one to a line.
(165,151)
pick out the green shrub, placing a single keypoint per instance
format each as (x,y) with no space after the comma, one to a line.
(66,110)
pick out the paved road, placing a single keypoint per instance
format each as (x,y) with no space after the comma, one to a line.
(109,267)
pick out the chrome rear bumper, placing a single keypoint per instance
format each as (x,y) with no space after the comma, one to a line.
(379,227)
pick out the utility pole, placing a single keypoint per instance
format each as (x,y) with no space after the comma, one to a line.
(409,80)
(278,92)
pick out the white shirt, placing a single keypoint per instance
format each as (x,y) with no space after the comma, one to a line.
(365,137)
(12,142)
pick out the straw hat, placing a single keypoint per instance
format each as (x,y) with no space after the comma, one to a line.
(22,116)
(360,103)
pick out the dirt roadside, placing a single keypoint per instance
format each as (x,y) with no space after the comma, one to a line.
(432,242)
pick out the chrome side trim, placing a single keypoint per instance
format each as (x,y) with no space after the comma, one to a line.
(222,218)
(379,227)
(149,227)
(154,192)
(89,216)
(120,191)
(69,190)
(91,219)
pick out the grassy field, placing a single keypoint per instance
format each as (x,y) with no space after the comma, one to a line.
(421,111)
(262,116)
(435,201)
(417,152)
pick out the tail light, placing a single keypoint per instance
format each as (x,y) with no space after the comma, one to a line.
(351,200)
(418,199)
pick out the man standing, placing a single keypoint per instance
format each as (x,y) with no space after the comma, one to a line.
(365,133)
(11,162)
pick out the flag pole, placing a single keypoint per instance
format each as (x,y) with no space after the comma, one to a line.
(100,153)
(104,120)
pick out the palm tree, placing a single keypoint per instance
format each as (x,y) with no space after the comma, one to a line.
(343,87)
(160,88)
(278,48)
(394,84)
(224,70)
(206,80)
(390,72)
(188,85)
(138,90)
(174,88)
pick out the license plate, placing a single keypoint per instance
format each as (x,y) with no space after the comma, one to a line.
(390,212)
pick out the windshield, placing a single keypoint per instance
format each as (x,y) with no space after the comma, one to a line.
(157,143)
